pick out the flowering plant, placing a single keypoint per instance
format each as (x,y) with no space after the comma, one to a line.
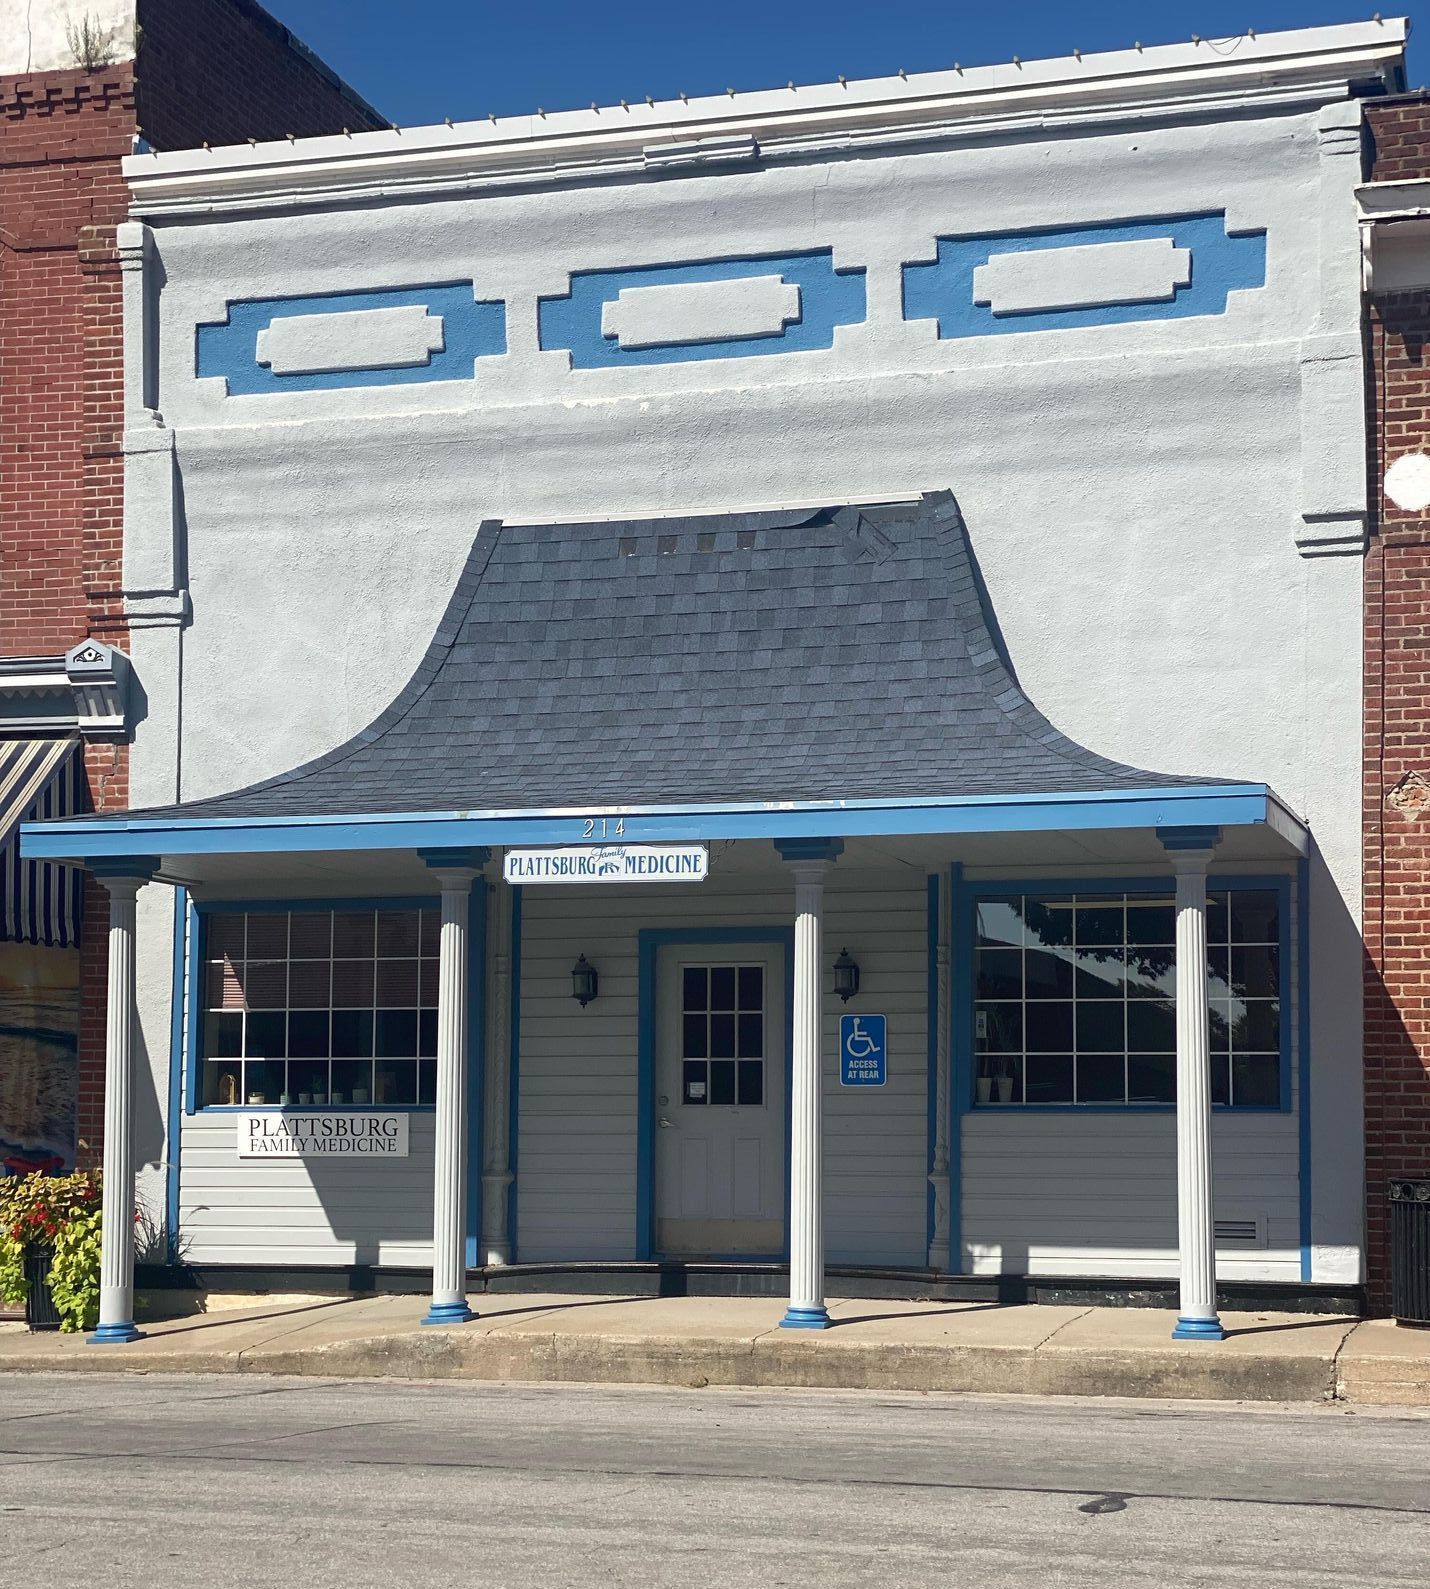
(60,1213)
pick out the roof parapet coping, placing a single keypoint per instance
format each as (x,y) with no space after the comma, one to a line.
(1304,65)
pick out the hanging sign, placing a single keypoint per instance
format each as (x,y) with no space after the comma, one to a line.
(863,1050)
(609,863)
(362,1134)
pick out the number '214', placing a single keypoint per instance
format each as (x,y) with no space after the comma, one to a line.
(606,830)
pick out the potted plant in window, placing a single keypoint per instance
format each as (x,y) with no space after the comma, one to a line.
(1003,1079)
(49,1248)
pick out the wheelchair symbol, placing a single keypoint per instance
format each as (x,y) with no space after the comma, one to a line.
(858,1043)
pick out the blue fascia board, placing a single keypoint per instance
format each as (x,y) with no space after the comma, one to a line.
(97,840)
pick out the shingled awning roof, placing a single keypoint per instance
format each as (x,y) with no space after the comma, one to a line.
(840,653)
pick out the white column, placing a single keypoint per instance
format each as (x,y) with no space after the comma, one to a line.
(1197,1317)
(116,1261)
(496,1105)
(806,1208)
(449,1191)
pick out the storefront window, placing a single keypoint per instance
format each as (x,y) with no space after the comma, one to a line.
(319,1009)
(1075,998)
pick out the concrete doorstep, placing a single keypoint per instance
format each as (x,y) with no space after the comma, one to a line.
(699,1341)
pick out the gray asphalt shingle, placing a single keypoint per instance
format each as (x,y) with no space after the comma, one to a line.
(838,653)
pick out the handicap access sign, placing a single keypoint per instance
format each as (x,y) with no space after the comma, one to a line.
(863,1051)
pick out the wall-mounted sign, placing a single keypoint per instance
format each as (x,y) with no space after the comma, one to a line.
(295,1134)
(609,863)
(863,1050)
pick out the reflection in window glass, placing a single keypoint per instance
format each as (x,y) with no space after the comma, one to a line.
(1074,998)
(317,1008)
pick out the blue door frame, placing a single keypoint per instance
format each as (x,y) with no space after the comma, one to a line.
(651,941)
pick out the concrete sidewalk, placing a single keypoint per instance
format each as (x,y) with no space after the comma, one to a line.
(698,1341)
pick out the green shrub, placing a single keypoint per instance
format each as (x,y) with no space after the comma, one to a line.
(62,1213)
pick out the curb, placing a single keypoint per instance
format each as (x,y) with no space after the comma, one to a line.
(1191,1372)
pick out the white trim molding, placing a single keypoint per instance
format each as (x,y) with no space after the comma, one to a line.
(1303,67)
(86,691)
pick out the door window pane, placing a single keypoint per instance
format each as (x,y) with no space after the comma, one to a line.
(695,982)
(722,1021)
(722,987)
(722,1037)
(722,1081)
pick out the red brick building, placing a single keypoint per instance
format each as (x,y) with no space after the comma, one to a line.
(81,86)
(1395,210)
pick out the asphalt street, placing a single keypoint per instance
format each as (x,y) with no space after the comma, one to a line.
(109,1480)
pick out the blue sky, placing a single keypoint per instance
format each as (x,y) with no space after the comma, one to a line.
(422,60)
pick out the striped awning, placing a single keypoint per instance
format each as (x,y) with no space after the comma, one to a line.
(39,901)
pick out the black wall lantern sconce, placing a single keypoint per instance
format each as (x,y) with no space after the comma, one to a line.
(583,982)
(846,976)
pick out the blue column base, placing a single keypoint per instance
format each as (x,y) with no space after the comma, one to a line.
(805,1319)
(449,1313)
(114,1335)
(1198,1330)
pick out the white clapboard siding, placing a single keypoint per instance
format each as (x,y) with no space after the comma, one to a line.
(576,1167)
(302,1211)
(1096,1194)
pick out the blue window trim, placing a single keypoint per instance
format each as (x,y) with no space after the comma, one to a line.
(931,932)
(193,971)
(649,941)
(966,896)
(100,840)
(513,1097)
(199,913)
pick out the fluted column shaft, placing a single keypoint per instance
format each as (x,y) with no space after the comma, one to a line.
(116,1261)
(806,1234)
(449,1257)
(1196,1241)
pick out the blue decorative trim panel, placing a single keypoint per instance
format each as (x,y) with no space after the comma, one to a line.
(671,314)
(1085,276)
(805,1319)
(393,337)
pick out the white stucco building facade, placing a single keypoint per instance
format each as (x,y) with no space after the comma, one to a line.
(1088,330)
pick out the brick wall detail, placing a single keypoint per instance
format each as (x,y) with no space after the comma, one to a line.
(1397,728)
(217,71)
(222,71)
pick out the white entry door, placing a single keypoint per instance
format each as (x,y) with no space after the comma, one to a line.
(720,1101)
